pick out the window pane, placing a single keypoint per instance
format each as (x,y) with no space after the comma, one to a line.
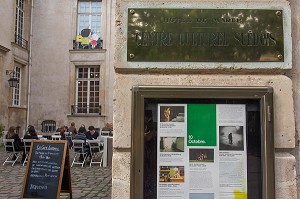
(97,73)
(16,90)
(96,7)
(81,7)
(19,20)
(89,20)
(84,7)
(92,75)
(85,73)
(95,24)
(88,89)
(48,125)
(80,73)
(83,22)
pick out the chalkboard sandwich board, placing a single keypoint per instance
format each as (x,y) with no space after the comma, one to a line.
(48,170)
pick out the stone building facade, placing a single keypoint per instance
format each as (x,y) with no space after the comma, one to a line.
(72,77)
(284,81)
(15,56)
(46,44)
(68,58)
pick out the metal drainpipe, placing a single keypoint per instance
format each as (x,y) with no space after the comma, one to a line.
(29,66)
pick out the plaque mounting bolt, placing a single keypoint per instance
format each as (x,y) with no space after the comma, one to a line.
(278,13)
(132,11)
(131,55)
(280,56)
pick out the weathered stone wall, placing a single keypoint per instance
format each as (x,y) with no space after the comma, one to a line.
(294,75)
(284,122)
(12,55)
(54,63)
(283,118)
(52,22)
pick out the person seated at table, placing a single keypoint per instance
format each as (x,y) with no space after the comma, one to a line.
(62,131)
(11,134)
(72,129)
(81,136)
(83,126)
(31,134)
(92,134)
(108,127)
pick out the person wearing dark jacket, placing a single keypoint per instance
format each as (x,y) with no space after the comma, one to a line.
(81,136)
(11,134)
(31,134)
(91,134)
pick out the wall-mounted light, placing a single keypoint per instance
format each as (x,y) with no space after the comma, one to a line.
(13,81)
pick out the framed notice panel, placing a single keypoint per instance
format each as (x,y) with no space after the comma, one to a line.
(208,35)
(202,143)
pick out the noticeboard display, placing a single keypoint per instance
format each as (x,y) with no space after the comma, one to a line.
(48,170)
(205,35)
(201,151)
(199,146)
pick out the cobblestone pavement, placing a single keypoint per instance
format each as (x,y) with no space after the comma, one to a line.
(87,182)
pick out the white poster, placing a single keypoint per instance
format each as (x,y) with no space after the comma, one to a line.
(201,151)
(231,122)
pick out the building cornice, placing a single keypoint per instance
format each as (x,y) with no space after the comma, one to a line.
(3,49)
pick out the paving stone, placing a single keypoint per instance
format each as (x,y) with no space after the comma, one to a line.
(87,182)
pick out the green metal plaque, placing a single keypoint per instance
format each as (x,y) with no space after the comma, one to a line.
(205,35)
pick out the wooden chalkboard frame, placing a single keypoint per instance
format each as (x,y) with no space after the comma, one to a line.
(64,182)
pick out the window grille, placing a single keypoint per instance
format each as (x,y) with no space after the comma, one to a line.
(48,126)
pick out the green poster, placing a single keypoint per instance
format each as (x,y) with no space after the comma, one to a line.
(201,125)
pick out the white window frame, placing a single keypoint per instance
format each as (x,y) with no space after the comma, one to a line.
(19,25)
(16,97)
(89,79)
(89,13)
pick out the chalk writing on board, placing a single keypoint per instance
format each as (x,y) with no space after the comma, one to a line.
(45,166)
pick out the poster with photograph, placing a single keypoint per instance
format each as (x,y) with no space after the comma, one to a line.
(201,151)
(171,161)
(231,122)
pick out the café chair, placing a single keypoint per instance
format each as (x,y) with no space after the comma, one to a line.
(95,152)
(79,150)
(102,136)
(55,137)
(10,149)
(68,137)
(27,145)
(105,133)
(4,134)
